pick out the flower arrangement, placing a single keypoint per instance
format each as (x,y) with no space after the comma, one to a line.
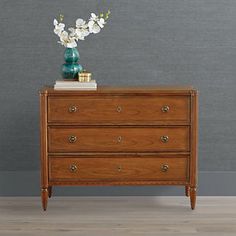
(82,29)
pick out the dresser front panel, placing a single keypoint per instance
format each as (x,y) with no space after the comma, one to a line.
(118,139)
(118,168)
(118,109)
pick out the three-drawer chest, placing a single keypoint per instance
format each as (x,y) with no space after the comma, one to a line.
(119,136)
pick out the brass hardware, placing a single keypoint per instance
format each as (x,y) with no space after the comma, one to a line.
(193,189)
(72,109)
(73,168)
(119,139)
(84,76)
(164,139)
(164,168)
(119,109)
(43,190)
(165,108)
(119,168)
(72,139)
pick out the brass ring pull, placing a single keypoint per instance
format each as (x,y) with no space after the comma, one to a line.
(165,108)
(164,139)
(73,168)
(119,109)
(72,109)
(72,139)
(119,139)
(164,168)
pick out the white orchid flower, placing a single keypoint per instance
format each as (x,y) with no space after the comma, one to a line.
(67,40)
(85,32)
(93,17)
(55,22)
(101,22)
(64,36)
(72,32)
(71,44)
(82,29)
(58,28)
(79,34)
(94,27)
(95,23)
(80,23)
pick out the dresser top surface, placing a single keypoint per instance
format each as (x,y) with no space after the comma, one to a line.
(124,90)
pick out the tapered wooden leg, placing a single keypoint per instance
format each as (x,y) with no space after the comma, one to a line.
(44,197)
(187,190)
(193,195)
(49,191)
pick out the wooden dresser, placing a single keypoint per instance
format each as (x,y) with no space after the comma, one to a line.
(119,136)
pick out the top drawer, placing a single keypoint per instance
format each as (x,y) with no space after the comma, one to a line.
(118,109)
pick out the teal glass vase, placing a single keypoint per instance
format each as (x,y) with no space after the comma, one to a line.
(71,68)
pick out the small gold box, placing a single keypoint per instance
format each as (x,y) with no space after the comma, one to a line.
(84,76)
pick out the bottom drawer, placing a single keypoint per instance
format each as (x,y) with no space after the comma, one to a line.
(118,168)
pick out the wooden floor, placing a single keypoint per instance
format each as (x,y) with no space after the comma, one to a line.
(108,216)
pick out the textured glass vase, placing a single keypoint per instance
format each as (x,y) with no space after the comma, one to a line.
(71,68)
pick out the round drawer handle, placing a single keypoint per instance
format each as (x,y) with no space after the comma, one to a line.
(164,139)
(119,109)
(72,139)
(164,168)
(72,109)
(165,108)
(73,168)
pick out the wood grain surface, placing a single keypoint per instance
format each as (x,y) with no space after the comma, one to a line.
(125,109)
(118,168)
(118,139)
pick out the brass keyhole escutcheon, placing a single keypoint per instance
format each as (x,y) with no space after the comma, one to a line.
(164,168)
(165,108)
(164,139)
(72,139)
(119,168)
(119,109)
(73,168)
(72,109)
(119,139)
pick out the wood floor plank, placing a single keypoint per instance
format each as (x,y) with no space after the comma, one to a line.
(118,216)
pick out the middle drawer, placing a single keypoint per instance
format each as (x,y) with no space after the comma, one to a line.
(118,139)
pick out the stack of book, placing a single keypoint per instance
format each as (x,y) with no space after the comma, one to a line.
(75,85)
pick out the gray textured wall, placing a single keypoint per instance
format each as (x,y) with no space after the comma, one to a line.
(148,42)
